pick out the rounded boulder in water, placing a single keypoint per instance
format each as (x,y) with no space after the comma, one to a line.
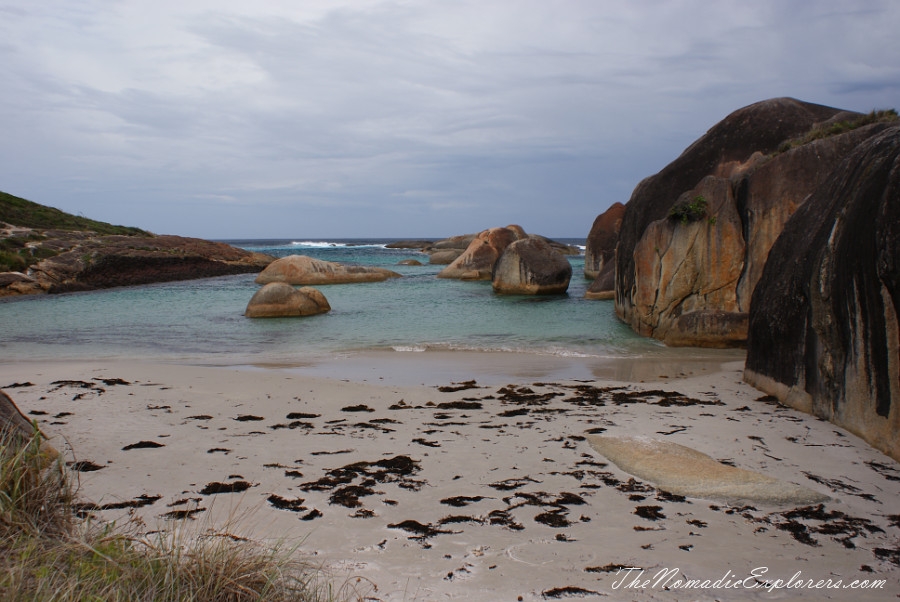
(277,300)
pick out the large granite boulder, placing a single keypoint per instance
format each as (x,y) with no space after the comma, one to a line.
(444,256)
(530,266)
(695,236)
(302,269)
(279,300)
(600,253)
(477,261)
(600,250)
(823,329)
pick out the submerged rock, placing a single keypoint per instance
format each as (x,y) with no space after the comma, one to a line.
(302,269)
(531,267)
(685,471)
(277,300)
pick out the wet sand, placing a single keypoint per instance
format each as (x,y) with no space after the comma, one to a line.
(423,477)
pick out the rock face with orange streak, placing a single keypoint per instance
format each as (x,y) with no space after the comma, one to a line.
(695,236)
(477,261)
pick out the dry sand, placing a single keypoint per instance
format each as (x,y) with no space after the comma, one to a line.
(479,492)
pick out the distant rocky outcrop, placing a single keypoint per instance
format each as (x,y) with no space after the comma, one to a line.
(530,266)
(279,300)
(477,261)
(66,261)
(823,327)
(446,251)
(302,269)
(694,237)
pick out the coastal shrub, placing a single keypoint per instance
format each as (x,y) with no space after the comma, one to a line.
(12,262)
(839,127)
(689,210)
(48,553)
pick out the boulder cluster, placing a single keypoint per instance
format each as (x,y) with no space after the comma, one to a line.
(514,262)
(778,230)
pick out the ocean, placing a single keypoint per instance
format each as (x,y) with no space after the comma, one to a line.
(201,321)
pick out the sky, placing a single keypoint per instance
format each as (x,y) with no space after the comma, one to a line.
(390,118)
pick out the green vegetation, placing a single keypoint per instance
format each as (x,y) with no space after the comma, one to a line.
(840,127)
(16,254)
(48,553)
(689,211)
(20,212)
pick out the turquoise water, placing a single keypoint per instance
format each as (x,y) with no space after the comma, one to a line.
(202,320)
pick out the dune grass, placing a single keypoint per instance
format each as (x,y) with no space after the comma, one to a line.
(47,552)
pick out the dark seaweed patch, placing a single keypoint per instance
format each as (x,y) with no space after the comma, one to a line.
(447,520)
(421,441)
(222,450)
(461,386)
(650,512)
(421,532)
(200,417)
(504,519)
(349,496)
(143,445)
(837,485)
(183,514)
(511,484)
(888,472)
(294,505)
(567,591)
(525,395)
(358,408)
(249,418)
(311,515)
(556,519)
(138,502)
(216,487)
(462,500)
(888,555)
(460,405)
(608,568)
(301,416)
(85,466)
(296,424)
(19,385)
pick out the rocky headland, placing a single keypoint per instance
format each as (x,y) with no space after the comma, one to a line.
(44,250)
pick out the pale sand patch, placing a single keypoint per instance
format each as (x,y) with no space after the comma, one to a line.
(538,510)
(684,471)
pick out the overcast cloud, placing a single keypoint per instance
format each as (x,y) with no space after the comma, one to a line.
(324,118)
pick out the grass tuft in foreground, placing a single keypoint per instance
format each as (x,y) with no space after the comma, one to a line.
(48,553)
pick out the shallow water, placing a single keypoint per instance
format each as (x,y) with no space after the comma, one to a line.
(202,320)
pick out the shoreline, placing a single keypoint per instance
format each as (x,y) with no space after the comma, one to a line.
(480,491)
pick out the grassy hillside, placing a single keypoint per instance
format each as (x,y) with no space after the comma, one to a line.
(20,212)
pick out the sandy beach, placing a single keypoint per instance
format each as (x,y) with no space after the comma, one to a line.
(407,480)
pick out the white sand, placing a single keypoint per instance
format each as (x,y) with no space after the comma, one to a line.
(496,548)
